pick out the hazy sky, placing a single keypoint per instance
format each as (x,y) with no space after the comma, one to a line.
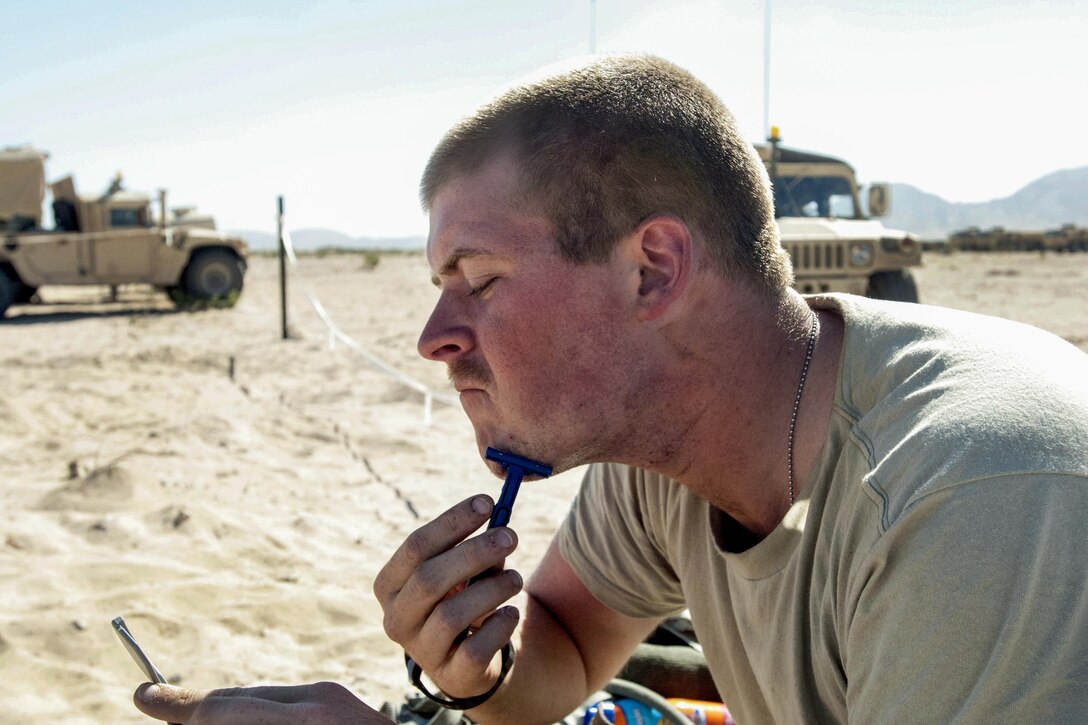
(336,105)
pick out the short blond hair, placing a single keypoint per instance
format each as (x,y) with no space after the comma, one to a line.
(604,146)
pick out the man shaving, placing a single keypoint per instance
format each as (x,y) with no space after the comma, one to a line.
(874,512)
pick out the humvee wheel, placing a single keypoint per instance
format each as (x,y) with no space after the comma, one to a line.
(212,274)
(897,286)
(9,291)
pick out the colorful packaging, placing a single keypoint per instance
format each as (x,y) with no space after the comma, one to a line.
(623,711)
(702,712)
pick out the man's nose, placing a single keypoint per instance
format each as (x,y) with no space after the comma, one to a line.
(446,336)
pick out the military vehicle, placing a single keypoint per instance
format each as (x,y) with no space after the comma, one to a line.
(106,239)
(1069,238)
(834,245)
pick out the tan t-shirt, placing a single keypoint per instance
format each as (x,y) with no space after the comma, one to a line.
(934,570)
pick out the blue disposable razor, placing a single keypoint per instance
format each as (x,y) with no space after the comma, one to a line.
(516,467)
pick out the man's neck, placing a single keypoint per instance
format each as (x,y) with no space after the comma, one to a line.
(729,406)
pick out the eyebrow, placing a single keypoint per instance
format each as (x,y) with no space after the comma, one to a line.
(454,261)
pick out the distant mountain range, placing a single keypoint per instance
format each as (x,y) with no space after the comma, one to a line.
(1058,198)
(308,240)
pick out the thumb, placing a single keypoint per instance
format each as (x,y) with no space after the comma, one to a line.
(166,702)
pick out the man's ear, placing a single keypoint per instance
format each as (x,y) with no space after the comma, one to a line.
(663,247)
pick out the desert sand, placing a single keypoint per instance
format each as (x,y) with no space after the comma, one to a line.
(237,522)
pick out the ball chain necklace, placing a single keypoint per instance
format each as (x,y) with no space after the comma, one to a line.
(797,400)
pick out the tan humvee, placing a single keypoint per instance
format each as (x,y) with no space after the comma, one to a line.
(108,239)
(834,246)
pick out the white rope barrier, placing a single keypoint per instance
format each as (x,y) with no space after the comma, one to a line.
(338,335)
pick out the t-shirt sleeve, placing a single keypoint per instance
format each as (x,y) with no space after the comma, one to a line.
(939,631)
(614,547)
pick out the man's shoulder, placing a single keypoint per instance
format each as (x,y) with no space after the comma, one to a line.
(911,368)
(936,398)
(660,505)
(885,339)
(608,480)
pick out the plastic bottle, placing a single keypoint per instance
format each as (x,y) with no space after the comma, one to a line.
(702,712)
(623,711)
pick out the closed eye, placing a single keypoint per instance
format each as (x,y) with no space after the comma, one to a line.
(477,290)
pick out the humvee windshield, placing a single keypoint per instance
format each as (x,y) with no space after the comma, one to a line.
(814,196)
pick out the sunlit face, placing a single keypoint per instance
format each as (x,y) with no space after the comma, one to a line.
(535,344)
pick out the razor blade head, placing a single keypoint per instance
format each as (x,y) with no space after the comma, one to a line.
(511,459)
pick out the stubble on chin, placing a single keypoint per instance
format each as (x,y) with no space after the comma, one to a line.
(534,444)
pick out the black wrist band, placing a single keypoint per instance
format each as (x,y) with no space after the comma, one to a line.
(415,674)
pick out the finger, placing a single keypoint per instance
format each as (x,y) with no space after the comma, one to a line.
(268,704)
(477,653)
(475,604)
(166,702)
(433,582)
(285,694)
(447,573)
(431,539)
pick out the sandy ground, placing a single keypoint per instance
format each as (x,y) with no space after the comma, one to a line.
(237,523)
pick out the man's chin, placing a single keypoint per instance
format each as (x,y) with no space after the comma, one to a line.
(491,434)
(488,437)
(507,445)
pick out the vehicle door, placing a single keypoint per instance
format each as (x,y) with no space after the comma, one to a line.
(125,252)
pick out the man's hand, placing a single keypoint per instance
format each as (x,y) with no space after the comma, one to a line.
(323,703)
(427,607)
